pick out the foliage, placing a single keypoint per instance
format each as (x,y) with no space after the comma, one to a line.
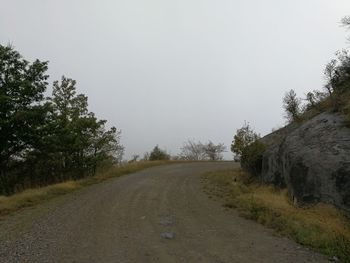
(244,137)
(251,159)
(314,100)
(158,154)
(22,87)
(291,104)
(336,94)
(346,22)
(49,140)
(214,152)
(249,148)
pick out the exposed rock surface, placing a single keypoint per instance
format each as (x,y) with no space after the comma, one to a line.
(312,159)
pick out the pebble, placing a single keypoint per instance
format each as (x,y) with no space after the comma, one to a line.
(168,235)
(334,259)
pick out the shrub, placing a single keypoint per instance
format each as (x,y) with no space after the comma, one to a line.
(251,160)
(158,154)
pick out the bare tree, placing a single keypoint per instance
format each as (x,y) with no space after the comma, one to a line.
(214,152)
(134,158)
(197,151)
(145,156)
(192,150)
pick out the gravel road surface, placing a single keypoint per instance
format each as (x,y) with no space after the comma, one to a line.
(158,215)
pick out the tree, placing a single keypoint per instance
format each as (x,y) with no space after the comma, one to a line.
(249,148)
(22,87)
(106,145)
(346,22)
(244,137)
(330,73)
(44,141)
(291,104)
(314,98)
(134,158)
(158,154)
(252,156)
(198,151)
(84,141)
(193,151)
(73,129)
(145,156)
(214,152)
(310,97)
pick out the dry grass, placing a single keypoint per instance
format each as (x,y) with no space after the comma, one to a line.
(322,227)
(31,197)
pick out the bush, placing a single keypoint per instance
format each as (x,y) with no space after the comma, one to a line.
(251,159)
(158,154)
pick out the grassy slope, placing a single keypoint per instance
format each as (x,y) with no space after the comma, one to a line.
(31,197)
(321,227)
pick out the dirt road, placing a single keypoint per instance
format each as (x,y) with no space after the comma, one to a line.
(158,215)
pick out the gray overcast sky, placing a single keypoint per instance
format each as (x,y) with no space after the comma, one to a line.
(164,70)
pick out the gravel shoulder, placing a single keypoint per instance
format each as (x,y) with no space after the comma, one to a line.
(157,215)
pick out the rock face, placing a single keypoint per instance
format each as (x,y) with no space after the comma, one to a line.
(311,159)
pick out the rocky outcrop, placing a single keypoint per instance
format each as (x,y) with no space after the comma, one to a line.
(311,159)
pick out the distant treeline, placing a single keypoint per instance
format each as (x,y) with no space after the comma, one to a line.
(45,140)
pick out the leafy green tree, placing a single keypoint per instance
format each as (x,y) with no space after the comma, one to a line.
(158,154)
(106,145)
(44,141)
(22,87)
(244,137)
(84,140)
(71,124)
(249,148)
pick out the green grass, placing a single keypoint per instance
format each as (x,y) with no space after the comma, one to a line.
(32,197)
(321,227)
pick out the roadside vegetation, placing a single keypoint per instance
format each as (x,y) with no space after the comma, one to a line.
(248,148)
(334,97)
(321,227)
(190,151)
(32,197)
(47,140)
